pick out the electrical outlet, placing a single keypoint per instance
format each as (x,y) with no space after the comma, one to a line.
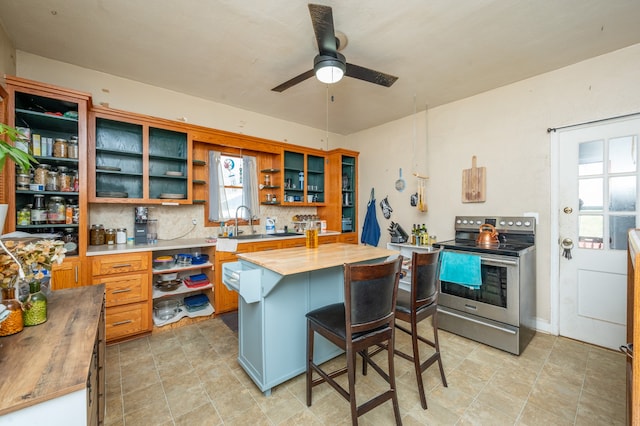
(194,221)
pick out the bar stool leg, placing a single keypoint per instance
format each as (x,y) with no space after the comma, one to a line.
(310,336)
(416,361)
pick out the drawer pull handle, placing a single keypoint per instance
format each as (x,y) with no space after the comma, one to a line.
(121,265)
(122,290)
(122,322)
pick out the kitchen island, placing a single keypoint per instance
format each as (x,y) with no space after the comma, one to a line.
(277,289)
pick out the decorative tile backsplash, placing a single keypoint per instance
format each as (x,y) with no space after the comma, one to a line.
(175,221)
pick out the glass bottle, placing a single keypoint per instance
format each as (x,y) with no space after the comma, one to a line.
(38,211)
(35,305)
(13,323)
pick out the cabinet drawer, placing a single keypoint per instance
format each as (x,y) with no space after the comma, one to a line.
(118,263)
(127,320)
(123,289)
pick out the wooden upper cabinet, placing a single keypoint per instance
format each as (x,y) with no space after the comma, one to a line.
(304,178)
(47,113)
(135,158)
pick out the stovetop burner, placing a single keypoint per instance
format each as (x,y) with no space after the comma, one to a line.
(516,235)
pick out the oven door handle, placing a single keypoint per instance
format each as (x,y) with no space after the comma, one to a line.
(486,324)
(499,261)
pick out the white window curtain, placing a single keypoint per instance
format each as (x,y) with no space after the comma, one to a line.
(218,203)
(217,196)
(250,185)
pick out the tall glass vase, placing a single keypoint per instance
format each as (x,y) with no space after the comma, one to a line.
(13,323)
(34,307)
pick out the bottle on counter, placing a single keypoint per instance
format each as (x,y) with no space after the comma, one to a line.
(34,307)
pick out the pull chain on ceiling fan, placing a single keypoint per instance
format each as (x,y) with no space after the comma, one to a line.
(329,66)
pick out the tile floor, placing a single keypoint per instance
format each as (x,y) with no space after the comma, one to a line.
(190,376)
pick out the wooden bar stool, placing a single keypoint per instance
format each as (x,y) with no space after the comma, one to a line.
(365,319)
(419,304)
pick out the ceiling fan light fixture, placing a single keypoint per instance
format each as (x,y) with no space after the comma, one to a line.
(329,69)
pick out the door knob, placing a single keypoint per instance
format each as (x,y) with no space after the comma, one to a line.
(568,210)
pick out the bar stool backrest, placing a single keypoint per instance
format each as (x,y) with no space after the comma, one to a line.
(424,278)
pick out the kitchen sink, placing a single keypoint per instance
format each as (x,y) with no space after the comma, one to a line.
(259,236)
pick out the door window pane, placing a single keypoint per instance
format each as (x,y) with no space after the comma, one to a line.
(622,194)
(591,194)
(618,228)
(622,154)
(590,158)
(590,231)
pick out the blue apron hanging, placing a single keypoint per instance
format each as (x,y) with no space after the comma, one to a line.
(371,229)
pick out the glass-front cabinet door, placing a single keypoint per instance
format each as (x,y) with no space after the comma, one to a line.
(137,161)
(304,179)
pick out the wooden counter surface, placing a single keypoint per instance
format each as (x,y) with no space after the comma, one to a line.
(51,359)
(301,259)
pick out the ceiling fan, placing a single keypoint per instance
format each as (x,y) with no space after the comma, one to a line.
(330,65)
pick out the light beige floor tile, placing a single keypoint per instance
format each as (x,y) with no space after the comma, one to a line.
(191,376)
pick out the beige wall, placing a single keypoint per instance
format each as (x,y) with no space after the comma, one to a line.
(505,128)
(7,54)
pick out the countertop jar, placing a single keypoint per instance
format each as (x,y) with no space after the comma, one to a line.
(110,236)
(60,148)
(56,210)
(40,175)
(121,236)
(96,235)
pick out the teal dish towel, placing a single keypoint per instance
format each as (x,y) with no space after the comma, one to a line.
(463,269)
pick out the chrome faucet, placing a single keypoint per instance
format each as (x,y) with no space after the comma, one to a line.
(235,232)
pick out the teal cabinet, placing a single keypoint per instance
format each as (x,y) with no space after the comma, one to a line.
(139,161)
(304,179)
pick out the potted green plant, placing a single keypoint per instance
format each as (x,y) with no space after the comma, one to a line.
(21,158)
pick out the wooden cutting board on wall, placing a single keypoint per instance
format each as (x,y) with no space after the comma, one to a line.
(474,182)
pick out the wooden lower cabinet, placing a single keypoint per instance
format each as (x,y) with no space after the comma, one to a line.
(348,238)
(127,279)
(69,274)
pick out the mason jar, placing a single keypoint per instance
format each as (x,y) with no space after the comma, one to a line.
(60,147)
(40,175)
(56,210)
(53,181)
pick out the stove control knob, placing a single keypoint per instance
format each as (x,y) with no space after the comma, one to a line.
(510,223)
(464,221)
(458,221)
(518,223)
(478,222)
(502,223)
(527,224)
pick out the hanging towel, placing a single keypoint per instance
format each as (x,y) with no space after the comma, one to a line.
(463,269)
(371,229)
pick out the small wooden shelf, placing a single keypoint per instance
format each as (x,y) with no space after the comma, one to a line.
(182,268)
(183,289)
(199,162)
(270,171)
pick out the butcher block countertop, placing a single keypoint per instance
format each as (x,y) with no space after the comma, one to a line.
(52,359)
(295,260)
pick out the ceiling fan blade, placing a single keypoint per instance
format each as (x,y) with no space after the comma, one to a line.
(322,20)
(295,80)
(370,75)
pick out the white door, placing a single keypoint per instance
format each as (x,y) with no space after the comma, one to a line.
(598,194)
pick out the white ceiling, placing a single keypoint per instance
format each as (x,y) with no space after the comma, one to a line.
(234,51)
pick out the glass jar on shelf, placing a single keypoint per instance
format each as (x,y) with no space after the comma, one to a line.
(56,210)
(24,216)
(65,178)
(53,181)
(40,175)
(70,239)
(72,150)
(60,147)
(22,181)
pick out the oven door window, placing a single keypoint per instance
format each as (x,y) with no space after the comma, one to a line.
(493,290)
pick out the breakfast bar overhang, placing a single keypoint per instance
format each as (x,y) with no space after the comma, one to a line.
(277,288)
